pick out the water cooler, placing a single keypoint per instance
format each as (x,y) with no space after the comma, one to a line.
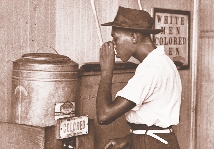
(54,103)
(45,89)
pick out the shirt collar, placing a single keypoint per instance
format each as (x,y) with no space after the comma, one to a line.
(154,55)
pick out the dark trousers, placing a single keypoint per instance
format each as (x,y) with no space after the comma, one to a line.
(143,141)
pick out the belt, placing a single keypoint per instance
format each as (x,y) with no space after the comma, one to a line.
(152,133)
(145,127)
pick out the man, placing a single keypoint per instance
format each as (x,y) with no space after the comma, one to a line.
(151,99)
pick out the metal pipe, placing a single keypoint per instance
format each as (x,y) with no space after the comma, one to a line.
(194,73)
(140,6)
(97,22)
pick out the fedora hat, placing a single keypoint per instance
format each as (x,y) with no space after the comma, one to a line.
(133,19)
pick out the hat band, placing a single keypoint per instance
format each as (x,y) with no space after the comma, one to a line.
(124,22)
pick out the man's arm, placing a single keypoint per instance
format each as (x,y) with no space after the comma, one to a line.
(108,110)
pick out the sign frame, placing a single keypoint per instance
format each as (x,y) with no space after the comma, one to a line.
(72,126)
(175,35)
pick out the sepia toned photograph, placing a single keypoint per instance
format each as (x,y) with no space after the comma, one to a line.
(106,74)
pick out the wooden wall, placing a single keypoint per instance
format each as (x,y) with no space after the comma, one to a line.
(76,31)
(69,27)
(25,26)
(205,80)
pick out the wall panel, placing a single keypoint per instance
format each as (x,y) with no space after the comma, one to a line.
(205,80)
(76,31)
(25,26)
(205,97)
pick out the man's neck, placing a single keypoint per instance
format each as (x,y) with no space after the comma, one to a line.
(143,50)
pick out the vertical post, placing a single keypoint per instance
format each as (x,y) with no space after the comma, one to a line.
(194,73)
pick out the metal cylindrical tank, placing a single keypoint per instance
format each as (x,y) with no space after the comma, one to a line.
(39,81)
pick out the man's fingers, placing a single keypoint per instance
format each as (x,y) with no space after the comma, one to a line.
(110,144)
(110,44)
(108,48)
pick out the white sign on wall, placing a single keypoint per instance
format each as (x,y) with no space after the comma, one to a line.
(175,25)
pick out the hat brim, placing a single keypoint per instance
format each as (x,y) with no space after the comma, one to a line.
(150,31)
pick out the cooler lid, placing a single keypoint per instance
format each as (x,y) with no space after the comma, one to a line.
(46,58)
(45,61)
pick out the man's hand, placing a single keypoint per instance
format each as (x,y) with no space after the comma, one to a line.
(117,143)
(107,57)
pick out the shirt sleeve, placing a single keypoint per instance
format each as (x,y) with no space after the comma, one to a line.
(140,87)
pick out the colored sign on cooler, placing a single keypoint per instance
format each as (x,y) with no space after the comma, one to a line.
(74,126)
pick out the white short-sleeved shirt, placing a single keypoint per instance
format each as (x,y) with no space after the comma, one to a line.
(156,90)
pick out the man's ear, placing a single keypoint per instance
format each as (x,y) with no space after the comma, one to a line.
(134,38)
